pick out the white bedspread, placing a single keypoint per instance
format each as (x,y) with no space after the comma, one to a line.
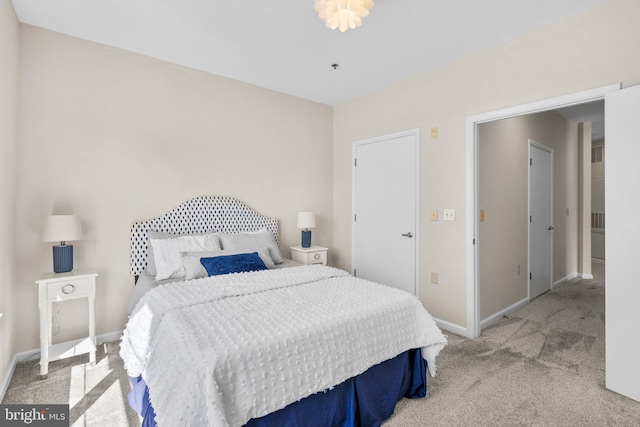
(225,349)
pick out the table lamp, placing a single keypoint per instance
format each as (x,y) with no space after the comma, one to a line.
(306,220)
(62,228)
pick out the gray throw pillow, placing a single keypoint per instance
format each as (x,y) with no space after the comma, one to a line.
(252,242)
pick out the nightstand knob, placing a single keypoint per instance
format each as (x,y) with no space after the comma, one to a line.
(67,289)
(316,256)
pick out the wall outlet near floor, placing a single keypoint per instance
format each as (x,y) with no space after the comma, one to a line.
(434,278)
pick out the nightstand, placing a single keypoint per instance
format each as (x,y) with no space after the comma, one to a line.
(54,287)
(310,255)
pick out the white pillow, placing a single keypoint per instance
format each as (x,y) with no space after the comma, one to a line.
(252,242)
(166,252)
(194,269)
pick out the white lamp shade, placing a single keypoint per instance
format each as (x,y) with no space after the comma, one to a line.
(306,220)
(61,228)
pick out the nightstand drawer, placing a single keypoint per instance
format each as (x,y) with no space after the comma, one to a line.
(71,288)
(311,255)
(317,257)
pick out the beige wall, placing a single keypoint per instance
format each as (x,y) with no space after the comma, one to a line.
(503,190)
(592,50)
(116,137)
(8,140)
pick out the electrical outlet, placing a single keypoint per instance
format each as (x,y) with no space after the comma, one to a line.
(481,215)
(434,133)
(449,214)
(434,277)
(434,214)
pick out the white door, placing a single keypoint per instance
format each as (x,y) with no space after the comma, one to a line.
(540,218)
(622,245)
(385,209)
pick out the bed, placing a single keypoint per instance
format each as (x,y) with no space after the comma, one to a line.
(228,332)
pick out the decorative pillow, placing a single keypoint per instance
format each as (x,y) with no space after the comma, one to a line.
(167,248)
(238,263)
(252,242)
(194,269)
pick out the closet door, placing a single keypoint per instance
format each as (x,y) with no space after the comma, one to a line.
(385,210)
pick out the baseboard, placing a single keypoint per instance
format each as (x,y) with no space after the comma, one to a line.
(108,337)
(494,318)
(7,378)
(564,279)
(587,276)
(451,327)
(34,354)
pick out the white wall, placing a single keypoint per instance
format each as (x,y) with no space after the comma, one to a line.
(116,137)
(504,195)
(554,61)
(8,140)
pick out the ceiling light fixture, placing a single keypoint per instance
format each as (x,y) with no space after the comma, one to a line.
(343,14)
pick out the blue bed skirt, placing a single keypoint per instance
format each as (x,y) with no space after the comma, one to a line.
(364,400)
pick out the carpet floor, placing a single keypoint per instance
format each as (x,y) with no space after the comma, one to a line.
(543,365)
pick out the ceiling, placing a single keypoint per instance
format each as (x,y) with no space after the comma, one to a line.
(282,44)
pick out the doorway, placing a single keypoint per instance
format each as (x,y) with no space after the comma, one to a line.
(623,131)
(474,209)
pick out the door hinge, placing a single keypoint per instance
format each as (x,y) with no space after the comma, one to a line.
(530,162)
(474,241)
(355,162)
(530,276)
(354,273)
(354,217)
(530,218)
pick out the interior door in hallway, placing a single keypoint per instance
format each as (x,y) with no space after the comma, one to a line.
(540,218)
(385,209)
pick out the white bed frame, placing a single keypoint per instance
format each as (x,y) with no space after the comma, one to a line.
(198,215)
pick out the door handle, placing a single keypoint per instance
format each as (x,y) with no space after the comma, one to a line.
(550,227)
(409,234)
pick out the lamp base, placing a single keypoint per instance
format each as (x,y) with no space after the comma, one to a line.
(306,239)
(62,258)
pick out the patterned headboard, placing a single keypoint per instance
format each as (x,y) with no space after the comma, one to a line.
(198,215)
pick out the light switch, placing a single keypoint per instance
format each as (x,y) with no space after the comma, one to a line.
(449,214)
(481,215)
(434,277)
(434,214)
(434,133)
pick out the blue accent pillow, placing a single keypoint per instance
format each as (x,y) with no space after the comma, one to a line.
(237,263)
